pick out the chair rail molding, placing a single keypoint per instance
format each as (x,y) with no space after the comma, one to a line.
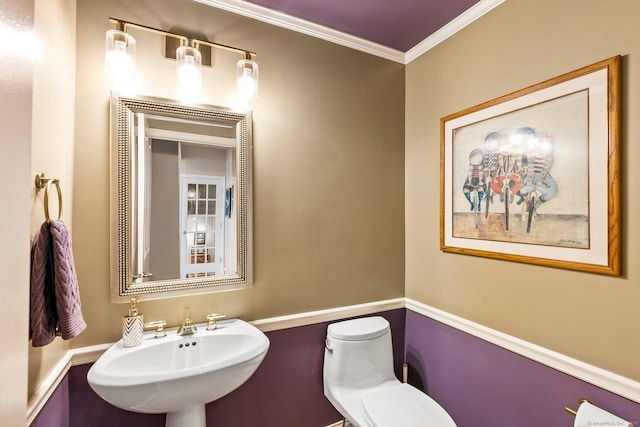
(599,377)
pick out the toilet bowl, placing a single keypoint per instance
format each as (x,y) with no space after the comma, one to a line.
(360,383)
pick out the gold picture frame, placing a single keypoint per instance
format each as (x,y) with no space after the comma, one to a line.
(534,176)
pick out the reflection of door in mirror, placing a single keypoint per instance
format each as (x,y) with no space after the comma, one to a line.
(201,216)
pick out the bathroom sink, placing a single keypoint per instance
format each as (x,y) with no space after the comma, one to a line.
(179,374)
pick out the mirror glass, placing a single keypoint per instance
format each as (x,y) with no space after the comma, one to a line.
(180,198)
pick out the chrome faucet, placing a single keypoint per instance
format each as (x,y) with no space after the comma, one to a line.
(187,328)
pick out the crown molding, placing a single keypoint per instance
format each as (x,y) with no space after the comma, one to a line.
(299,25)
(283,20)
(469,16)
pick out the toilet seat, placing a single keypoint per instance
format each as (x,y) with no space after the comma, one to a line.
(404,405)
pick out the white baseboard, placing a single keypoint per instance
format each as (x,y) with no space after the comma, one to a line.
(77,356)
(47,387)
(606,380)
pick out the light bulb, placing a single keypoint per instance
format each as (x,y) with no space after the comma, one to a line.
(120,51)
(247,78)
(189,61)
(246,84)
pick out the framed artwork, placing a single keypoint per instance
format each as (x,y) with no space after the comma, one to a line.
(534,176)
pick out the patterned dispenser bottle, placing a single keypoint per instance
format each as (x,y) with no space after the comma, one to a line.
(132,326)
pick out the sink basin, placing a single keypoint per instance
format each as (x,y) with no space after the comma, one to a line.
(179,374)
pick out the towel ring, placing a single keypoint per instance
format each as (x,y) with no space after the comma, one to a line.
(42,182)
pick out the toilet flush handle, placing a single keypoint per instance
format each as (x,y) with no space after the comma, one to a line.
(328,346)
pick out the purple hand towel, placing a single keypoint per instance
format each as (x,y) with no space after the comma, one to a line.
(43,312)
(70,320)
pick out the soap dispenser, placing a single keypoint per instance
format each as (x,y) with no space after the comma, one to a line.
(132,326)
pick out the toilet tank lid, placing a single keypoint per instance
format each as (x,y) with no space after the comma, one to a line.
(365,328)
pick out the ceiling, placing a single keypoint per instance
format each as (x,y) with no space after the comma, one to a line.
(399,30)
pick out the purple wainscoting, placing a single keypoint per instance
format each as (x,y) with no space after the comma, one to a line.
(285,391)
(478,383)
(483,385)
(87,409)
(56,411)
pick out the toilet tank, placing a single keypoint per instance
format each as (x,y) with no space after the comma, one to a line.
(358,353)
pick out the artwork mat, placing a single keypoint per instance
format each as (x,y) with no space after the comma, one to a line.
(602,256)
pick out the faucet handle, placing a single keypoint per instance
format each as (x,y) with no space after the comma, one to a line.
(211,318)
(187,328)
(159,326)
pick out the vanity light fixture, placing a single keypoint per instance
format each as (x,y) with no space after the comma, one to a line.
(120,58)
(120,54)
(247,77)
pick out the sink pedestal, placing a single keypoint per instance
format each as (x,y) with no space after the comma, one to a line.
(191,417)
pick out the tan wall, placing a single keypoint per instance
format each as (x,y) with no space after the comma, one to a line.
(328,165)
(586,316)
(16,86)
(52,137)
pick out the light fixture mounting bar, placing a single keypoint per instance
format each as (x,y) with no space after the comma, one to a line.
(124,24)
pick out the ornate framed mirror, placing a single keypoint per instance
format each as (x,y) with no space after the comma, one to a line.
(180,198)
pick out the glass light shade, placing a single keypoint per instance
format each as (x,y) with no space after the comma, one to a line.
(189,62)
(120,57)
(247,78)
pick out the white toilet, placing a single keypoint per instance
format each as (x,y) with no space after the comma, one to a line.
(360,383)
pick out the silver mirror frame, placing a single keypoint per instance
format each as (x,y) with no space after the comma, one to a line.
(123,288)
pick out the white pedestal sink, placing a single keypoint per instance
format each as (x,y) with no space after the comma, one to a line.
(178,375)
